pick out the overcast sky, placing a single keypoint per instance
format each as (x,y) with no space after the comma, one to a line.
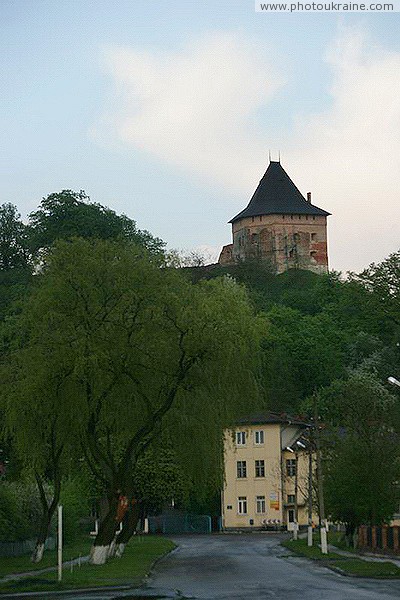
(167,111)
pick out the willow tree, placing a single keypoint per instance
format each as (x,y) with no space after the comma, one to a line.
(146,353)
(37,418)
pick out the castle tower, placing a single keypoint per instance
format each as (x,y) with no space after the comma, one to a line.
(280,227)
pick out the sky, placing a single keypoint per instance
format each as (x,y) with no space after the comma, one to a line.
(167,111)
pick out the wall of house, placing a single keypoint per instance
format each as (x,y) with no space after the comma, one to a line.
(275,486)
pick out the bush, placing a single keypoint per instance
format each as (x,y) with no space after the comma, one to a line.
(75,500)
(15,524)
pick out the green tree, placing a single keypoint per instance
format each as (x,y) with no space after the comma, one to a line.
(13,243)
(37,417)
(300,354)
(382,282)
(158,479)
(69,214)
(15,266)
(137,349)
(362,461)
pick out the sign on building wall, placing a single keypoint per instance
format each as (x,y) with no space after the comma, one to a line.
(274,501)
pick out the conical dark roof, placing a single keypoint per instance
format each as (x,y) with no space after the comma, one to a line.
(276,193)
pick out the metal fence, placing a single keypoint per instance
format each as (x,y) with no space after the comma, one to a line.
(180,523)
(23,547)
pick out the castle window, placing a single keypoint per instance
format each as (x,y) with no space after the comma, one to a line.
(313,236)
(306,217)
(299,217)
(260,218)
(252,219)
(313,218)
(291,216)
(313,253)
(283,217)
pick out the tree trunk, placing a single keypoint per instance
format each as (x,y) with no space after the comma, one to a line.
(106,534)
(47,515)
(129,527)
(349,534)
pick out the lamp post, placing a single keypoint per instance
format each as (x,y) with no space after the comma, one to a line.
(394,381)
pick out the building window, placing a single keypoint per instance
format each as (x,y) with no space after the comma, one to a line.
(240,438)
(229,507)
(242,505)
(283,217)
(260,468)
(299,217)
(290,499)
(313,253)
(306,217)
(260,504)
(290,515)
(252,219)
(241,469)
(291,216)
(259,437)
(291,467)
(313,218)
(260,219)
(313,236)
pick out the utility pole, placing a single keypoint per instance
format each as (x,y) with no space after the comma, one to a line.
(296,491)
(324,543)
(59,541)
(310,490)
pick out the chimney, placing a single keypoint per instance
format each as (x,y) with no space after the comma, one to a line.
(309,197)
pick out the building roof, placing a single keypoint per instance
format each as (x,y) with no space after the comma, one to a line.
(276,193)
(270,418)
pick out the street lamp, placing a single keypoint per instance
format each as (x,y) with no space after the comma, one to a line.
(394,381)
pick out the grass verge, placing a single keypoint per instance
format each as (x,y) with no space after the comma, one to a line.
(363,568)
(313,552)
(140,554)
(22,564)
(356,567)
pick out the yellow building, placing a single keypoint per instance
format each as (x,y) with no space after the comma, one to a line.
(266,470)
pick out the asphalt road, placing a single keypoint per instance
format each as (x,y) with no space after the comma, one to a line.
(256,567)
(248,567)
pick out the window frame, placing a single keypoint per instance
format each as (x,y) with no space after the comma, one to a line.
(241,435)
(259,468)
(241,469)
(242,505)
(260,502)
(261,437)
(291,467)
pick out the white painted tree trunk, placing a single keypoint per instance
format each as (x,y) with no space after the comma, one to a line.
(119,549)
(111,549)
(37,553)
(98,555)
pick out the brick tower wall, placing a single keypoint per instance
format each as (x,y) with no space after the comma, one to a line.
(283,241)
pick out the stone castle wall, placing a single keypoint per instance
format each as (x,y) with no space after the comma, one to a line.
(284,241)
